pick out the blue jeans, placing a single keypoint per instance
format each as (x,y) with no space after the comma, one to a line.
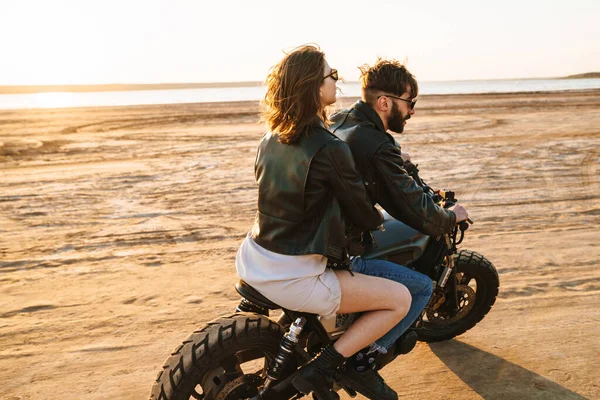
(418,284)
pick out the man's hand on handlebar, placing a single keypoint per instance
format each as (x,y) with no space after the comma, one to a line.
(460,211)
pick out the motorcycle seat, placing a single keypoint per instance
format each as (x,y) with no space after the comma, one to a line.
(252,295)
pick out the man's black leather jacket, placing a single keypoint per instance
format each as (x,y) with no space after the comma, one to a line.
(378,158)
(309,196)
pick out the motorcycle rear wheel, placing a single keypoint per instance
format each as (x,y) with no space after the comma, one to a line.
(477,287)
(225,360)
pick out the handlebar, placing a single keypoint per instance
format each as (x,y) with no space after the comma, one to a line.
(445,198)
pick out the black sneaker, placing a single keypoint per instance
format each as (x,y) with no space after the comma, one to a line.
(368,383)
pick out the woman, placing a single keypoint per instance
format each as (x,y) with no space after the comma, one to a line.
(309,193)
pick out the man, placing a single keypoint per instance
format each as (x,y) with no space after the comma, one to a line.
(389,93)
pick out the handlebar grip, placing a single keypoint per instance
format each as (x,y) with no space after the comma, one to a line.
(449,203)
(463,225)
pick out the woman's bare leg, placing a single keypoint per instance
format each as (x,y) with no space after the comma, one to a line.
(383,303)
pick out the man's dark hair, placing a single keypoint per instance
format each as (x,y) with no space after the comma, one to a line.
(389,76)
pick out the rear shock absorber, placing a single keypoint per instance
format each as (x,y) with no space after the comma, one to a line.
(286,349)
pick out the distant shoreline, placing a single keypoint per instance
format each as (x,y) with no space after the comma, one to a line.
(588,75)
(118,87)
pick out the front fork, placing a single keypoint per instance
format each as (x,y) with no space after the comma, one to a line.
(445,283)
(450,262)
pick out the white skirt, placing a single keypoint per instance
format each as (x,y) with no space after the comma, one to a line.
(298,283)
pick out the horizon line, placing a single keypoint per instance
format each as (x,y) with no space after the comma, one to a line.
(117,87)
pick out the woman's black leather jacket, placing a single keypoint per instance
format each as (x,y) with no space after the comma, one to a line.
(310,195)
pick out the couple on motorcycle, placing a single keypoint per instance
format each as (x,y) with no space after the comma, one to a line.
(319,178)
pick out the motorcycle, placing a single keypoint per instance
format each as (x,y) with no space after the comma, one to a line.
(250,355)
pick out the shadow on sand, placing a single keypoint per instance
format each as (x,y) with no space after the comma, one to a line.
(494,378)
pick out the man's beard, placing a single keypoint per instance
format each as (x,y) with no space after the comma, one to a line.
(396,120)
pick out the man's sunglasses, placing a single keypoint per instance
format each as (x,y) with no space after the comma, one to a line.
(411,102)
(333,74)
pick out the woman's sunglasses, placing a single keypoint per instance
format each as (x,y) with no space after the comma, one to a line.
(333,74)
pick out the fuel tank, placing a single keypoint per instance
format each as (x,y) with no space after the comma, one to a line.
(399,242)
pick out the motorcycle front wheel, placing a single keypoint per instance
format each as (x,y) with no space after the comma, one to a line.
(225,360)
(477,286)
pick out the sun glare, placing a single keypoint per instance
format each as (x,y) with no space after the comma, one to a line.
(50,100)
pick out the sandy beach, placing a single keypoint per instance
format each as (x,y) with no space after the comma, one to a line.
(119,228)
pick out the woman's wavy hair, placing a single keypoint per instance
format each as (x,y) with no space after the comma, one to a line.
(389,76)
(293,102)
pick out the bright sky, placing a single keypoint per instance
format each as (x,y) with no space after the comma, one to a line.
(154,41)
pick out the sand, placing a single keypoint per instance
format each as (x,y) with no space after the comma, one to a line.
(119,227)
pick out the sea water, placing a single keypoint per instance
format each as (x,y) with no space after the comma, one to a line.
(351,89)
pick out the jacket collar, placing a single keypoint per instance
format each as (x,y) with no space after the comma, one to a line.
(371,115)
